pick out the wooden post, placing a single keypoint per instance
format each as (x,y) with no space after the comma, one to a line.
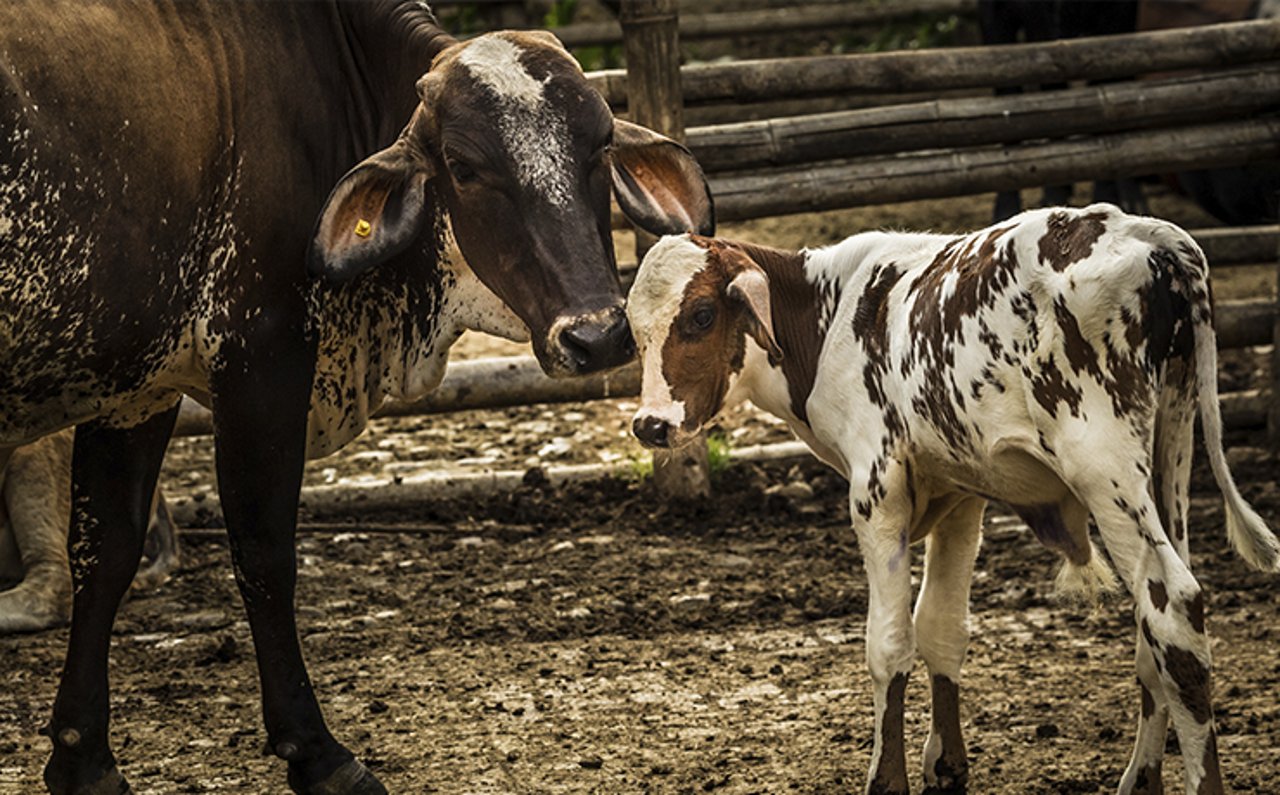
(650,43)
(1273,402)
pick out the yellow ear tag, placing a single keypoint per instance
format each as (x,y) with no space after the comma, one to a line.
(363,228)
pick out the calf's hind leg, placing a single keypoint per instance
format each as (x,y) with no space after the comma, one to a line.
(942,636)
(113,473)
(1173,654)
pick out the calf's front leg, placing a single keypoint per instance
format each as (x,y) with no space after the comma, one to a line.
(882,526)
(942,636)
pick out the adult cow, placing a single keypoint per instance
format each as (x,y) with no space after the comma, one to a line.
(163,169)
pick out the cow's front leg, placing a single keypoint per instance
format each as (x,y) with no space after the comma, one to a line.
(882,524)
(113,473)
(260,414)
(942,636)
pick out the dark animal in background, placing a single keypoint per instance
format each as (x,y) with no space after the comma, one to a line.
(1236,195)
(164,166)
(1011,21)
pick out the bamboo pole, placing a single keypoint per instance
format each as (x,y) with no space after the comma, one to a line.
(974,121)
(773,21)
(1273,404)
(881,180)
(904,72)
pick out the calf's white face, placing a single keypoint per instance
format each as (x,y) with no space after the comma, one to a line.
(694,304)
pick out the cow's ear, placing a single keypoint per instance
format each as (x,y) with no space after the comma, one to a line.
(374,212)
(751,288)
(658,183)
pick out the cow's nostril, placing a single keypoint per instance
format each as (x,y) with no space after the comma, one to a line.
(578,346)
(653,431)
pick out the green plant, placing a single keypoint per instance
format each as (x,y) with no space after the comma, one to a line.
(640,467)
(561,13)
(718,449)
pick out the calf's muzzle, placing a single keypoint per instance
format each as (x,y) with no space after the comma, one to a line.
(652,431)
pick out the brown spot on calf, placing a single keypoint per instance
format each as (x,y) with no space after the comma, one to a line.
(1069,238)
(1159,595)
(1192,679)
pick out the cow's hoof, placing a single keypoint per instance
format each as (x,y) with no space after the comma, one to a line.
(109,783)
(352,778)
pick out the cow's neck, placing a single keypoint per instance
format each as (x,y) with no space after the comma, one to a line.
(386,46)
(388,335)
(801,309)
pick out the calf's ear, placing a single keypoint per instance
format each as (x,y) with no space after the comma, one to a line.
(658,183)
(751,288)
(374,212)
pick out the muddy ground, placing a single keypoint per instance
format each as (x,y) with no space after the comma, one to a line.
(591,639)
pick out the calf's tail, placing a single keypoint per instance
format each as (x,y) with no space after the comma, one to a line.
(1248,533)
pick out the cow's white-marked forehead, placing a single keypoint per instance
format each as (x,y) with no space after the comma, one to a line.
(660,283)
(495,62)
(534,132)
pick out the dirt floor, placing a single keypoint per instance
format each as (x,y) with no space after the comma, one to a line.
(591,639)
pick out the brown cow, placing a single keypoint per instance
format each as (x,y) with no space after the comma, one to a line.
(164,166)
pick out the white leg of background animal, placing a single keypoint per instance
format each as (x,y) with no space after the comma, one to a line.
(942,636)
(1169,610)
(37,496)
(161,555)
(882,539)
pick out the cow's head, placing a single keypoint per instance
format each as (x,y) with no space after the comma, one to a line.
(522,153)
(694,305)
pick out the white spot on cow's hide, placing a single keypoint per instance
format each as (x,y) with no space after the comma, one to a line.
(532,130)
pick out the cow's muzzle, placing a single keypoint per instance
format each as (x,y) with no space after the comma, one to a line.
(593,342)
(652,431)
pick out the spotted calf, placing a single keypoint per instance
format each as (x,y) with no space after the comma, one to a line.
(1052,362)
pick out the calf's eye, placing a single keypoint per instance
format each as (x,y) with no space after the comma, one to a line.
(703,318)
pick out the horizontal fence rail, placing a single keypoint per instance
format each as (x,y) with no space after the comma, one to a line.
(974,121)
(936,174)
(903,72)
(772,21)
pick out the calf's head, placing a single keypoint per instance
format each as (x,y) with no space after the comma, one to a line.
(695,308)
(522,153)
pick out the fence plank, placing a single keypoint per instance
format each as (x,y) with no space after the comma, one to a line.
(904,72)
(972,121)
(961,172)
(772,21)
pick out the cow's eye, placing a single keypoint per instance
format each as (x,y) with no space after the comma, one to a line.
(703,317)
(462,172)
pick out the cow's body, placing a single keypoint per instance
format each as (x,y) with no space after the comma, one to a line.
(1052,362)
(35,513)
(163,170)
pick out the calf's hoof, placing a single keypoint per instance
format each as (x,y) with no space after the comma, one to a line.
(950,780)
(352,778)
(109,783)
